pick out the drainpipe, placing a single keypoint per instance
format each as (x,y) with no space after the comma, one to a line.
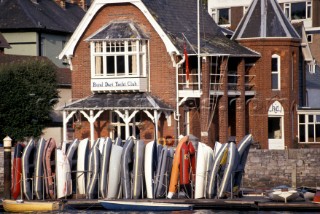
(177,114)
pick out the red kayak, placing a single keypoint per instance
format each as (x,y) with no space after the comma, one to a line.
(17,171)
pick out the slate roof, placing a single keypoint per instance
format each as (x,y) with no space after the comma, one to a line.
(264,19)
(117,101)
(178,19)
(313,79)
(63,74)
(119,30)
(45,15)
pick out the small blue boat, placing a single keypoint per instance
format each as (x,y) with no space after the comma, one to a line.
(117,205)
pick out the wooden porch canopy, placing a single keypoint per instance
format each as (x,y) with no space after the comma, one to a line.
(126,105)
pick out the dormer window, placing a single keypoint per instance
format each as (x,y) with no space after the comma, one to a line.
(118,51)
(119,58)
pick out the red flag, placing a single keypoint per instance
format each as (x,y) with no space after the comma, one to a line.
(187,64)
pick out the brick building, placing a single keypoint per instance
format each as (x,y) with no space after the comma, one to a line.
(131,75)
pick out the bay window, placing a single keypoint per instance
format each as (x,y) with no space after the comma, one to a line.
(118,58)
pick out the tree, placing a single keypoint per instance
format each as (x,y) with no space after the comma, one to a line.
(28,92)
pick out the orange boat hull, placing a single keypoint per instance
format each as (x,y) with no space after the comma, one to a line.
(175,167)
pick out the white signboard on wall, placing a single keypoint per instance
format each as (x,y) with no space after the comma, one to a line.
(276,109)
(119,84)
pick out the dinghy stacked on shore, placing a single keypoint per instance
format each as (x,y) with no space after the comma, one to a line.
(133,170)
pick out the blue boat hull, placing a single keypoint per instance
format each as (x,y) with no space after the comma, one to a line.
(144,206)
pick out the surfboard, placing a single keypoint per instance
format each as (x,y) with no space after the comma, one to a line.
(38,169)
(126,168)
(139,151)
(220,156)
(83,150)
(17,171)
(232,160)
(114,172)
(28,169)
(63,173)
(104,167)
(174,177)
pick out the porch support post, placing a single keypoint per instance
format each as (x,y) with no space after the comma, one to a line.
(241,103)
(155,118)
(66,119)
(127,123)
(91,120)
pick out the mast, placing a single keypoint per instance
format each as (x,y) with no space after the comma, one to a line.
(198,33)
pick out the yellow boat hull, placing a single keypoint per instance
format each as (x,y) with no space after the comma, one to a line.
(31,206)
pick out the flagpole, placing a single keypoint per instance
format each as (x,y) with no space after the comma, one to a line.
(198,33)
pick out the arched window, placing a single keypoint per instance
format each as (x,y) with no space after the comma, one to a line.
(275,72)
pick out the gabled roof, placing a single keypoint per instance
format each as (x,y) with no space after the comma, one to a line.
(44,15)
(119,30)
(264,19)
(176,23)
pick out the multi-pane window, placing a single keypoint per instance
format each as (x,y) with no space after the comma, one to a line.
(119,126)
(275,72)
(309,128)
(119,58)
(298,10)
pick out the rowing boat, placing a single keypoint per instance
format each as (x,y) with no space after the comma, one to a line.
(31,206)
(133,205)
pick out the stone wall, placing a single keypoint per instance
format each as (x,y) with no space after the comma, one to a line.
(293,167)
(268,168)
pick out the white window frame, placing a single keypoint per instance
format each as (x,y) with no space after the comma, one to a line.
(311,38)
(277,72)
(140,52)
(118,123)
(306,125)
(218,15)
(287,9)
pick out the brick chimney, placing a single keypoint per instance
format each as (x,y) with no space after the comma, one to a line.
(61,3)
